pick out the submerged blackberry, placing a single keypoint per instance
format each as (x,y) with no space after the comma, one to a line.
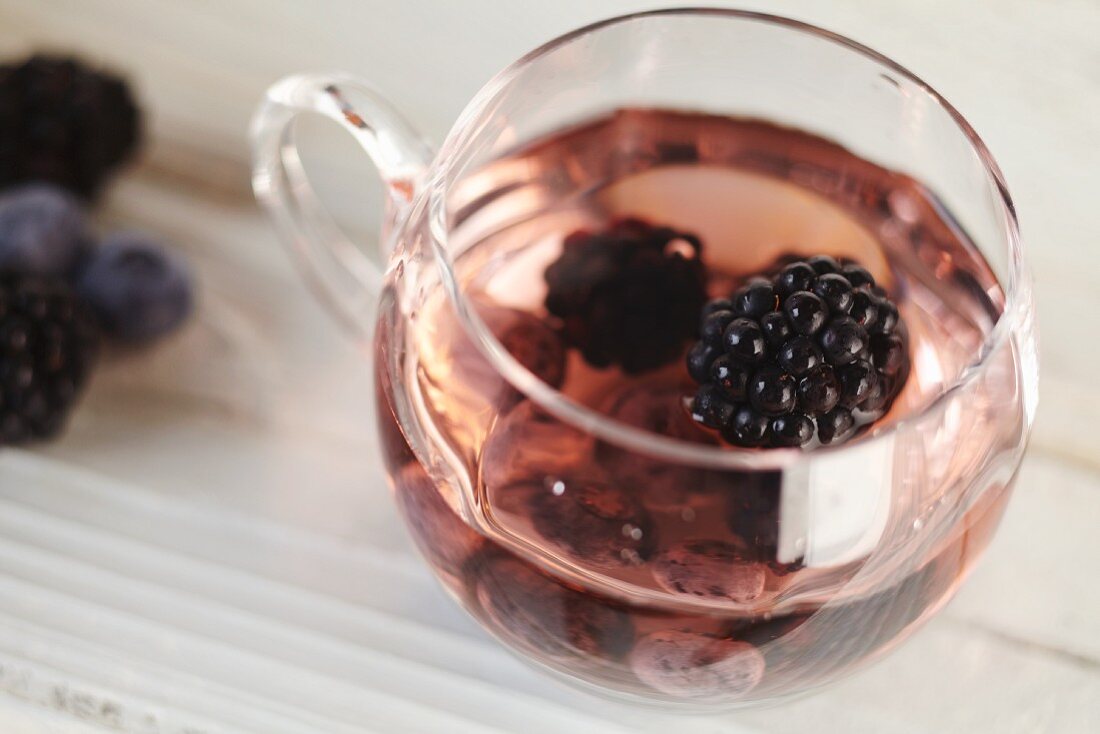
(816,351)
(630,295)
(63,123)
(48,344)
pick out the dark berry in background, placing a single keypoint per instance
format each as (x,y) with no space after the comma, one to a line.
(65,123)
(630,295)
(48,344)
(816,351)
(139,290)
(43,231)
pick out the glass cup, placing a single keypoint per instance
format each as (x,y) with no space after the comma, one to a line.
(547,519)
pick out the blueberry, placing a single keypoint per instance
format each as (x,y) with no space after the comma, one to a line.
(699,359)
(776,328)
(772,391)
(857,275)
(747,428)
(792,429)
(835,426)
(887,317)
(755,299)
(710,408)
(714,325)
(797,276)
(806,312)
(857,382)
(731,379)
(744,341)
(717,304)
(842,340)
(139,290)
(43,231)
(823,264)
(888,353)
(864,308)
(799,355)
(819,391)
(835,291)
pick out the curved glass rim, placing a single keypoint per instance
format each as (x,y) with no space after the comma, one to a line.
(629,437)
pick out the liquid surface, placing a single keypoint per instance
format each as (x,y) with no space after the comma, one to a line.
(673,580)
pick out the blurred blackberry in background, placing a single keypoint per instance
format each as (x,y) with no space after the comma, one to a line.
(816,351)
(48,344)
(629,295)
(140,291)
(43,231)
(64,123)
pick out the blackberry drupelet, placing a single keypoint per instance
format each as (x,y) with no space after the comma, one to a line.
(731,379)
(64,123)
(630,295)
(817,350)
(139,290)
(48,344)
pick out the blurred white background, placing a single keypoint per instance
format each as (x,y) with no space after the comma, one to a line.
(1017,653)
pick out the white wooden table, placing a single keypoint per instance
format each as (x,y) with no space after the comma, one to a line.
(212,548)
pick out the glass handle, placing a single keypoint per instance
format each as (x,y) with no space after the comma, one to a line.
(346,277)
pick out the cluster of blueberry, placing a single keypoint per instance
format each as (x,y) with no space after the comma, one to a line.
(63,129)
(816,349)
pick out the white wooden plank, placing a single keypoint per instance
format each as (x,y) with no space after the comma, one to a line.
(951,679)
(1033,586)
